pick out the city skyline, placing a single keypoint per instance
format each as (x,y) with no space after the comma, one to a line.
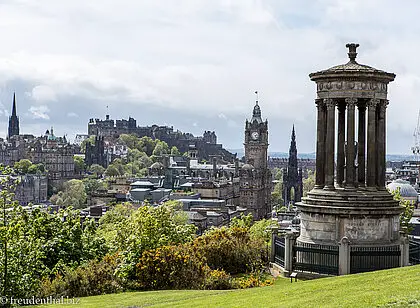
(196,65)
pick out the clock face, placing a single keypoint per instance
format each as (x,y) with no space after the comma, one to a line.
(255,135)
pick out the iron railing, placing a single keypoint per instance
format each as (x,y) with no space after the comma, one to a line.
(372,258)
(279,250)
(414,252)
(315,258)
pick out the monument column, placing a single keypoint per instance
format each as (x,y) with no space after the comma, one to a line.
(350,164)
(371,145)
(329,147)
(361,142)
(381,144)
(340,143)
(320,145)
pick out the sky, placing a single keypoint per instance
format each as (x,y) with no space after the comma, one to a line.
(195,65)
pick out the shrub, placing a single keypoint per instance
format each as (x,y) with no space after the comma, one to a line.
(171,267)
(94,278)
(251,281)
(232,250)
(218,280)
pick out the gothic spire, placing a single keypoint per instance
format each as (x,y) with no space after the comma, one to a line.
(13,128)
(293,149)
(293,134)
(14,105)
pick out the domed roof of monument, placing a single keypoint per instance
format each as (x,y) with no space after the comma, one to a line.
(247,167)
(406,190)
(351,68)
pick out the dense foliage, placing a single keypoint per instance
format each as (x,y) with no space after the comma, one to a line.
(406,214)
(134,231)
(73,194)
(44,253)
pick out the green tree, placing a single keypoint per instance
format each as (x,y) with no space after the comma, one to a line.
(97,170)
(36,169)
(92,185)
(112,170)
(79,164)
(175,151)
(131,141)
(308,183)
(73,194)
(406,214)
(134,231)
(147,145)
(277,194)
(90,140)
(278,174)
(22,166)
(161,148)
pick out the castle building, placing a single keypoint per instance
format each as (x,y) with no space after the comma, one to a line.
(255,177)
(205,145)
(292,176)
(13,121)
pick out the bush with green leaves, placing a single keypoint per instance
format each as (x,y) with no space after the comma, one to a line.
(171,267)
(134,231)
(232,250)
(92,278)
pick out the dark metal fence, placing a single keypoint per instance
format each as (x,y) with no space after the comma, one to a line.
(279,250)
(365,259)
(414,252)
(314,258)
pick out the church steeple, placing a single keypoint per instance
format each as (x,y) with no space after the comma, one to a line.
(14,105)
(13,120)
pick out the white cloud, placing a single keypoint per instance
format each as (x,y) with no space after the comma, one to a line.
(207,56)
(43,93)
(39,112)
(72,115)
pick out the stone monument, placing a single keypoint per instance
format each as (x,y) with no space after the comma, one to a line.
(350,200)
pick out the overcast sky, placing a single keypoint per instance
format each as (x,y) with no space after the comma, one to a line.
(196,64)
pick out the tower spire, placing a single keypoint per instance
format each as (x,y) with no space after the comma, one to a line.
(293,134)
(13,129)
(256,113)
(14,105)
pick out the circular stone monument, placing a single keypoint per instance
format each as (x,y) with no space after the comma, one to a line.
(350,199)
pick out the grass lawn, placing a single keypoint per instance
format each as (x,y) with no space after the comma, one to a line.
(398,287)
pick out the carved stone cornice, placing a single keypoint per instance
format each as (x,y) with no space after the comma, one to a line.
(350,85)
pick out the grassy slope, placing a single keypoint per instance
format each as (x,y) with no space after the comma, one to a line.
(399,287)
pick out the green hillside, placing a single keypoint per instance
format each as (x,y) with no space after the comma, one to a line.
(391,288)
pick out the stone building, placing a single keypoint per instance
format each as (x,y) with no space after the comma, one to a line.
(95,153)
(350,204)
(55,153)
(292,176)
(206,145)
(255,177)
(32,188)
(57,156)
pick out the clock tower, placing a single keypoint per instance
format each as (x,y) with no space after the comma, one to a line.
(255,177)
(256,140)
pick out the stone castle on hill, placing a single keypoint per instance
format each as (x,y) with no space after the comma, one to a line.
(204,146)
